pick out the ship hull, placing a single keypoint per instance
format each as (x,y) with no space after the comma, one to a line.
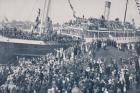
(9,50)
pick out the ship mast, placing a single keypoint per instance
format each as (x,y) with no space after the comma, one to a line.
(125,12)
(43,12)
(45,15)
(125,18)
(48,8)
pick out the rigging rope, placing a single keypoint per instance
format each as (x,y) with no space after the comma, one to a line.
(72,8)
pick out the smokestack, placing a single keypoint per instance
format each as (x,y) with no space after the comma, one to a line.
(107,9)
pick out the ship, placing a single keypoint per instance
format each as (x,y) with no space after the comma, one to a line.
(40,40)
(105,38)
(103,31)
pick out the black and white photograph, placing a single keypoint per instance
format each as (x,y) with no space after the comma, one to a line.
(69,46)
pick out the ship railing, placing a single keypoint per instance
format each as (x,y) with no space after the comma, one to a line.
(103,29)
(118,39)
(100,38)
(126,39)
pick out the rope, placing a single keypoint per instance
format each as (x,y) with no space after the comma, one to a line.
(72,8)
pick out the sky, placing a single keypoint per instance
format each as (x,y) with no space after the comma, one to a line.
(60,10)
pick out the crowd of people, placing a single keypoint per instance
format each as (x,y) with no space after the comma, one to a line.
(70,71)
(96,24)
(19,34)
